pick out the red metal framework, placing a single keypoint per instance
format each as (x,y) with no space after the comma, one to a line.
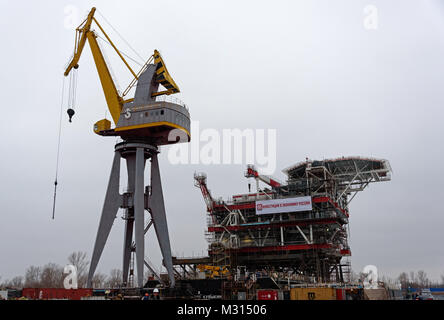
(311,243)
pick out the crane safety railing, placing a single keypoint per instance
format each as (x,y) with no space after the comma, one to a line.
(171,99)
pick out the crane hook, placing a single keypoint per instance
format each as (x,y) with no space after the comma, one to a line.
(70,112)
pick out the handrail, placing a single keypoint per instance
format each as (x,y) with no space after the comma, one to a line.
(171,99)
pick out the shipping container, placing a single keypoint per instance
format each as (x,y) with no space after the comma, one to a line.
(267,295)
(56,293)
(340,294)
(313,294)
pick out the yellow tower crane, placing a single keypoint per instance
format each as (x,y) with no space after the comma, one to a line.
(120,108)
(144,122)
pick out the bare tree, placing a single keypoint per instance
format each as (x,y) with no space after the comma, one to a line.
(99,280)
(413,282)
(80,261)
(354,277)
(114,279)
(51,276)
(3,284)
(423,281)
(404,280)
(16,283)
(32,277)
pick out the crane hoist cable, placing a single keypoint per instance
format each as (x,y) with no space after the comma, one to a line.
(122,52)
(72,93)
(58,150)
(121,37)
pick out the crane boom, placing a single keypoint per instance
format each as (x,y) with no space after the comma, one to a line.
(83,33)
(80,41)
(200,181)
(113,99)
(253,173)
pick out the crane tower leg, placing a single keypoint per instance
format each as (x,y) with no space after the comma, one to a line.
(127,244)
(157,208)
(133,201)
(109,212)
(129,220)
(139,214)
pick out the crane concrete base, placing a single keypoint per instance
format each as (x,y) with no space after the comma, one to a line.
(135,201)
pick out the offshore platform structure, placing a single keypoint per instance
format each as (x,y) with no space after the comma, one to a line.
(144,123)
(297,229)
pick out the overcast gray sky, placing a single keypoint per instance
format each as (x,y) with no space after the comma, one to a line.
(309,69)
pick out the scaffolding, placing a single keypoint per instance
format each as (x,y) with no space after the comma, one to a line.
(308,246)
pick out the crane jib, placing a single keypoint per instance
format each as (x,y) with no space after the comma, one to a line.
(114,99)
